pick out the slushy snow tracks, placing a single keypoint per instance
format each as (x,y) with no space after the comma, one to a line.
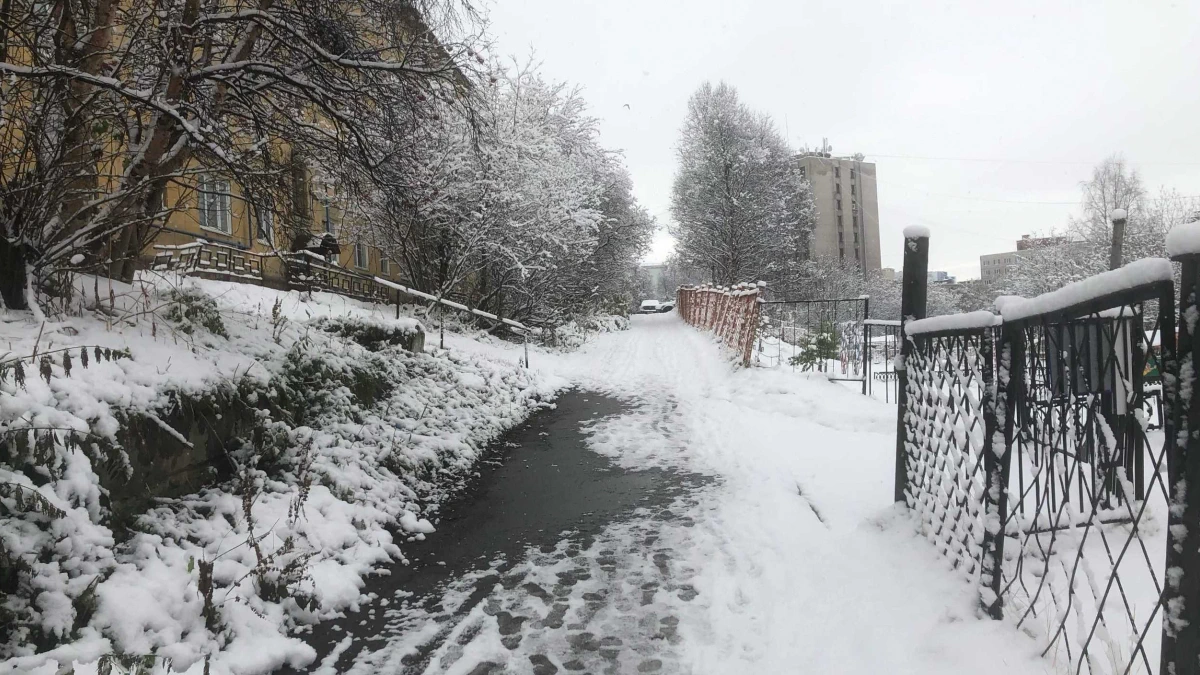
(739,575)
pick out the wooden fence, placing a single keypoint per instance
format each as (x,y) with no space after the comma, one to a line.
(729,312)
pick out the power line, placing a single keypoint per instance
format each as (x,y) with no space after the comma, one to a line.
(969,197)
(1016,161)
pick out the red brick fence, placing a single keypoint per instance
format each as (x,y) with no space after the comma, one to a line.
(730,313)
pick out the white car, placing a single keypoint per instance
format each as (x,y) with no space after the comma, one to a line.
(649,307)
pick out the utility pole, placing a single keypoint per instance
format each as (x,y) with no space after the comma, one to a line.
(1118,239)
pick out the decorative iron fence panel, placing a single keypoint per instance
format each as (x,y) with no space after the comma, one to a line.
(1089,496)
(1030,461)
(950,399)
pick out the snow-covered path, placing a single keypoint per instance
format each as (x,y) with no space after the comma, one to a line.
(791,560)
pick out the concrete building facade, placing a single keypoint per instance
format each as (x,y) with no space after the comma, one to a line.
(994,267)
(847,208)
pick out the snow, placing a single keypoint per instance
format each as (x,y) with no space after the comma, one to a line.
(947,322)
(914,231)
(791,558)
(1118,214)
(372,465)
(1137,273)
(1184,239)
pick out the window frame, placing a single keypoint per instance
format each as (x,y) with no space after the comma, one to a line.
(212,189)
(360,247)
(327,219)
(264,223)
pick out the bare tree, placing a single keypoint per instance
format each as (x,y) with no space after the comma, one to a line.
(106,103)
(1082,248)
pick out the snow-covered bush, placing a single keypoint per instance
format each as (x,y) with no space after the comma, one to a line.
(190,309)
(575,333)
(372,333)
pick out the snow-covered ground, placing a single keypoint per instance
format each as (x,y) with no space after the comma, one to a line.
(792,559)
(328,493)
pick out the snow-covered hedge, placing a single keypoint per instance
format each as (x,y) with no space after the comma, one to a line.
(349,439)
(576,332)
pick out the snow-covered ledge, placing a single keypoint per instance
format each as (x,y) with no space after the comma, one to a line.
(1184,239)
(948,322)
(1136,273)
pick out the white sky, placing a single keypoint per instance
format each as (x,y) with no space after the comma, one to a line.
(1049,87)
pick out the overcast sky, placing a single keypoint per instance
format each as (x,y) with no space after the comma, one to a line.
(982,118)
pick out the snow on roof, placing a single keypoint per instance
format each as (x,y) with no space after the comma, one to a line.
(965,321)
(1136,273)
(916,231)
(1184,239)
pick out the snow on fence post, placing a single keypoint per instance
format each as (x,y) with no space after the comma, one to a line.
(913,293)
(729,313)
(1181,592)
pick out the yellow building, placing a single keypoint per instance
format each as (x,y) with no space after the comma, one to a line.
(214,229)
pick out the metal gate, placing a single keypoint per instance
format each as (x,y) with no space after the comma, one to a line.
(1026,452)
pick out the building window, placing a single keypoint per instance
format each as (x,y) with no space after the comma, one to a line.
(837,188)
(384,266)
(839,221)
(853,174)
(360,256)
(853,189)
(839,204)
(837,172)
(266,223)
(213,204)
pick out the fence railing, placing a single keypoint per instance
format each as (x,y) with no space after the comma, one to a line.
(208,257)
(1026,453)
(730,313)
(307,271)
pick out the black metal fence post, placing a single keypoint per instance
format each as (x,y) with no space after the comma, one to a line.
(1181,593)
(866,349)
(997,458)
(913,293)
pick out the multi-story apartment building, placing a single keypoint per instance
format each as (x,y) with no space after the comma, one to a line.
(847,208)
(995,267)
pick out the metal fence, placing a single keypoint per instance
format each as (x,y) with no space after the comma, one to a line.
(882,339)
(824,336)
(1026,451)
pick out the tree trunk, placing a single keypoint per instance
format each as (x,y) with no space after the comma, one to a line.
(12,275)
